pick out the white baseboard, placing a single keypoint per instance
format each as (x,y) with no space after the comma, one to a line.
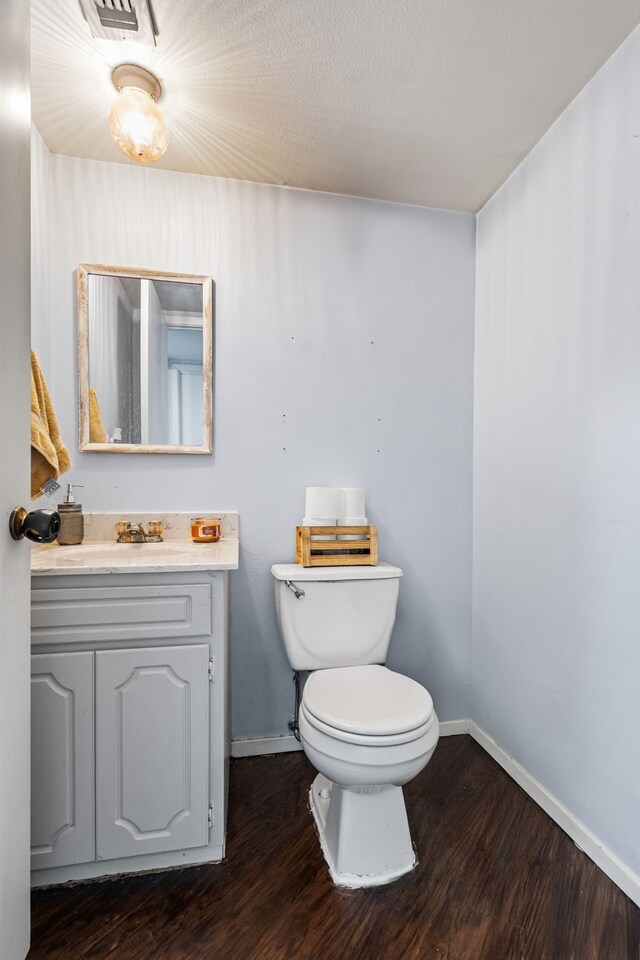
(262,746)
(626,879)
(452,728)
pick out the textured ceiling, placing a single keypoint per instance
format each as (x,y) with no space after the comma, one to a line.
(431,102)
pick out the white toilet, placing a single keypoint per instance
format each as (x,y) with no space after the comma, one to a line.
(366,729)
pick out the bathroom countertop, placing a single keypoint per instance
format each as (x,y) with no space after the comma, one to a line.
(106,556)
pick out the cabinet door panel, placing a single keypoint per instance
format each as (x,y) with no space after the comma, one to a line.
(152,747)
(62,768)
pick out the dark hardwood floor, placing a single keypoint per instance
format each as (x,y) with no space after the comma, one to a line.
(497,880)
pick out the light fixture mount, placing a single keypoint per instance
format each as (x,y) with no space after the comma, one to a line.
(132,75)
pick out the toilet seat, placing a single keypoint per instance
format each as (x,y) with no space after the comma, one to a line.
(355,759)
(368,705)
(364,740)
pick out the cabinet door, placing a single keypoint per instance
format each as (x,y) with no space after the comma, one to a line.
(62,769)
(152,750)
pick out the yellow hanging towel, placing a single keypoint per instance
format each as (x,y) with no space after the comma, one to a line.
(49,456)
(97,433)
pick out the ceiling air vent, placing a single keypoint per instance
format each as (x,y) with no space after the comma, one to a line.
(119,20)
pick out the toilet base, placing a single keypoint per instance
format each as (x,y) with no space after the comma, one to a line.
(364,832)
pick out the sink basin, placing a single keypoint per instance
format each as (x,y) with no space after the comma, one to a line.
(108,556)
(121,552)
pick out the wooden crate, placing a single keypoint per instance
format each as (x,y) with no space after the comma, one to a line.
(311,552)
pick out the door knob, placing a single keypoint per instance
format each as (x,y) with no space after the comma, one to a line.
(41,526)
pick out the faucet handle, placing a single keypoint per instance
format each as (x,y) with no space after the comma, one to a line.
(123,533)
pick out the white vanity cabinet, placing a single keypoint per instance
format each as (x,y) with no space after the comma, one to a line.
(130,733)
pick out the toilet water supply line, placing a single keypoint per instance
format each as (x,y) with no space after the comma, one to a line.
(293,719)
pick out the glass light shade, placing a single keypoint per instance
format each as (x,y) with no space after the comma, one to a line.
(137,125)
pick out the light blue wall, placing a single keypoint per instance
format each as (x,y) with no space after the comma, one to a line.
(556,657)
(344,356)
(41,333)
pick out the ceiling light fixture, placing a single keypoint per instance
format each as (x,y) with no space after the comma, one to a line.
(135,119)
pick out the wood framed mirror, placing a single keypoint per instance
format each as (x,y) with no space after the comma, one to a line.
(145,361)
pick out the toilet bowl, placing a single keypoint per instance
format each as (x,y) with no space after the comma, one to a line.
(357,798)
(367,725)
(366,729)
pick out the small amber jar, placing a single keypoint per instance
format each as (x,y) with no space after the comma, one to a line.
(205,529)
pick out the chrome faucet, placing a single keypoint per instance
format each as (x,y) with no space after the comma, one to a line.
(136,533)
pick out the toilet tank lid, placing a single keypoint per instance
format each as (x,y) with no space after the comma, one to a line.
(294,571)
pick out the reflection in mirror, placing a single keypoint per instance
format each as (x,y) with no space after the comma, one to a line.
(145,361)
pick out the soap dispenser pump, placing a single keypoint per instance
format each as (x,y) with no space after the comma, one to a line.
(71,518)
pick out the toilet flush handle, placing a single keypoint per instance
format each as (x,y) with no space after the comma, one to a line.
(298,591)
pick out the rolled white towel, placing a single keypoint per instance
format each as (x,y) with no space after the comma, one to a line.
(353,502)
(324,502)
(320,522)
(351,522)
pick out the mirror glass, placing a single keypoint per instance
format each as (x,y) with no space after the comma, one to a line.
(145,361)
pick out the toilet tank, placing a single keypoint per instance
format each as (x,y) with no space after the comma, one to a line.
(344,616)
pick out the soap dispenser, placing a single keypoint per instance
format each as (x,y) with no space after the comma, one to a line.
(71,518)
